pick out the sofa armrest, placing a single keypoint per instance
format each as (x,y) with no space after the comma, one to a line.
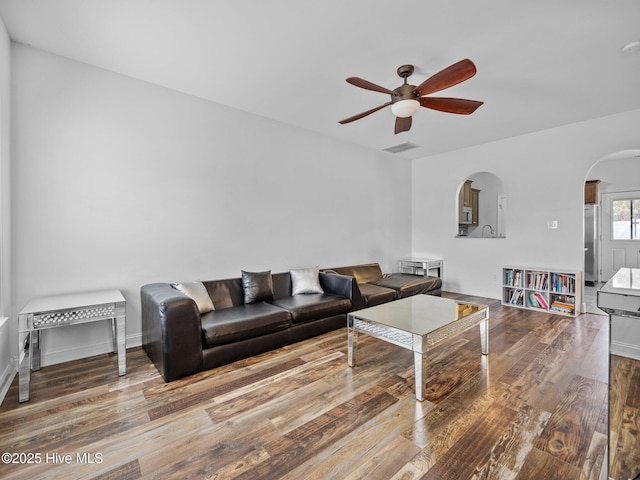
(342,285)
(171,331)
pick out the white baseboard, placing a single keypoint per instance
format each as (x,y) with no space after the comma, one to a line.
(625,350)
(7,365)
(5,380)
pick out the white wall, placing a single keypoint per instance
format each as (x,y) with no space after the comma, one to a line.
(543,174)
(118,183)
(8,329)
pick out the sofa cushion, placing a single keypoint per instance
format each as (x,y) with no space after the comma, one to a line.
(314,306)
(198,293)
(366,273)
(239,323)
(225,293)
(258,286)
(375,295)
(406,285)
(305,281)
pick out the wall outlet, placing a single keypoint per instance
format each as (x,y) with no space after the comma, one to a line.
(552,224)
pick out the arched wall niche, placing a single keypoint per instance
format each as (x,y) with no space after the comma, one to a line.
(482,207)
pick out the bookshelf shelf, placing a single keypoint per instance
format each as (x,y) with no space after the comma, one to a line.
(542,289)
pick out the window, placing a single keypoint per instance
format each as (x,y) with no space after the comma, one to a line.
(625,215)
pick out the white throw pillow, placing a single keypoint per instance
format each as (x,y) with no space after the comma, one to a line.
(306,280)
(198,292)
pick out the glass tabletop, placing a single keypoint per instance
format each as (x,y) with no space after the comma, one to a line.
(624,279)
(75,300)
(419,314)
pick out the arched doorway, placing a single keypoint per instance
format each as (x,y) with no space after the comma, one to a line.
(618,177)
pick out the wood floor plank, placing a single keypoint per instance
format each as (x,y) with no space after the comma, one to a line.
(299,445)
(439,429)
(383,465)
(595,458)
(516,442)
(571,427)
(592,365)
(209,451)
(207,395)
(543,466)
(365,449)
(627,451)
(464,458)
(633,394)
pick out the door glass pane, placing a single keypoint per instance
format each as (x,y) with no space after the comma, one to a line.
(621,219)
(635,218)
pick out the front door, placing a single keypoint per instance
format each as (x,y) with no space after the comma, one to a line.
(620,232)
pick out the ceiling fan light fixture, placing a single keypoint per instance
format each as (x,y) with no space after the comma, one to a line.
(405,108)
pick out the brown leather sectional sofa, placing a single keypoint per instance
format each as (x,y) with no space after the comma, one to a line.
(182,339)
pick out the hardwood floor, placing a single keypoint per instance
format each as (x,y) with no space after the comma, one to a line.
(535,408)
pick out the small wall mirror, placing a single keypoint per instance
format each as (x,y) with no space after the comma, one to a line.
(482,206)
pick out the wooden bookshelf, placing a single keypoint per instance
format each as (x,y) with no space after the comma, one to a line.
(542,289)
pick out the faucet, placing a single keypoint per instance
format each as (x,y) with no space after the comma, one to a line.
(491,232)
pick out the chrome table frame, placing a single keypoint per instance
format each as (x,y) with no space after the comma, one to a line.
(420,344)
(58,311)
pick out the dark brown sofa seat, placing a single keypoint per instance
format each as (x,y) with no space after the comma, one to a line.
(407,285)
(230,325)
(376,295)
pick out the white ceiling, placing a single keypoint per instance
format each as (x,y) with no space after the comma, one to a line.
(540,63)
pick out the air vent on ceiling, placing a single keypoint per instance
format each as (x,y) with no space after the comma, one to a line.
(402,147)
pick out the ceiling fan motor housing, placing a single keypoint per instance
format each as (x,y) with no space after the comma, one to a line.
(404,92)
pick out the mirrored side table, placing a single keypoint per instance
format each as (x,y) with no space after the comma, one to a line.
(64,310)
(420,266)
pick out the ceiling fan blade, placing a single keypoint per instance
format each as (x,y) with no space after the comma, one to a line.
(403,124)
(360,82)
(450,105)
(450,76)
(364,114)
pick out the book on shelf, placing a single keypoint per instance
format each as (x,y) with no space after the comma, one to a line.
(513,278)
(537,300)
(562,307)
(514,297)
(537,280)
(563,283)
(568,299)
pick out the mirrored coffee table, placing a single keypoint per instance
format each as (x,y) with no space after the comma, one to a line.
(418,324)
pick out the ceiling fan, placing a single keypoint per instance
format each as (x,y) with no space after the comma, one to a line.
(407,99)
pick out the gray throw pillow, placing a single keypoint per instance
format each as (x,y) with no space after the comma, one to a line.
(198,292)
(305,280)
(257,286)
